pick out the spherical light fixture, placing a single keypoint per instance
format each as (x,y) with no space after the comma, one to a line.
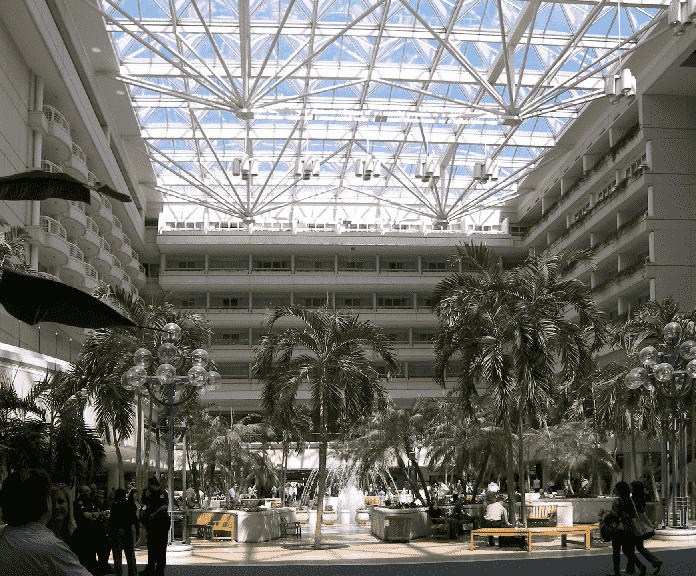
(648,356)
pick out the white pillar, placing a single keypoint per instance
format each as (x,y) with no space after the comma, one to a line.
(648,153)
(619,220)
(620,262)
(651,246)
(651,201)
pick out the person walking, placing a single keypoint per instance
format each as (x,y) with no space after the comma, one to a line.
(157,524)
(121,522)
(623,538)
(639,499)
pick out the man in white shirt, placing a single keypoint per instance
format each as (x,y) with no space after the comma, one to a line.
(27,547)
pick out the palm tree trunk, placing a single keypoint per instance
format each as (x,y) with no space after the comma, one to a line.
(119,460)
(651,471)
(510,471)
(138,440)
(520,466)
(402,470)
(140,482)
(286,449)
(421,479)
(634,455)
(482,472)
(323,448)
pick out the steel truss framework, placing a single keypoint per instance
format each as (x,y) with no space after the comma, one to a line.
(460,80)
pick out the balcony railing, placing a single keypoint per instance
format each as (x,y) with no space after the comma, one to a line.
(106,203)
(92,179)
(79,205)
(92,225)
(78,153)
(638,265)
(52,115)
(75,252)
(611,154)
(117,223)
(51,226)
(48,166)
(91,272)
(104,245)
(117,264)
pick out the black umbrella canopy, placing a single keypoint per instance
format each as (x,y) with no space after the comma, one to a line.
(33,299)
(40,185)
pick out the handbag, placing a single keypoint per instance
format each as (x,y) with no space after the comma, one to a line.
(642,527)
(609,525)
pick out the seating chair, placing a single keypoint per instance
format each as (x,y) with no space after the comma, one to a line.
(440,528)
(224,524)
(294,529)
(203,524)
(542,516)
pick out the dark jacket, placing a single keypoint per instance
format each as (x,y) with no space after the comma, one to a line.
(122,518)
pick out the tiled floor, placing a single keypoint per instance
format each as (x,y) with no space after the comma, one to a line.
(355,545)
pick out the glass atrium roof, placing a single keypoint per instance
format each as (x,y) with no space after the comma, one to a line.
(303,95)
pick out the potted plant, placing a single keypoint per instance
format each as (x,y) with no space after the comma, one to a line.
(329,516)
(362,516)
(302,515)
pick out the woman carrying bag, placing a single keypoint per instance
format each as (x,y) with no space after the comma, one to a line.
(623,536)
(643,525)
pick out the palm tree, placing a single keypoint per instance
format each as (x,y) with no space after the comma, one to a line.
(240,461)
(293,423)
(12,244)
(511,330)
(393,435)
(328,352)
(108,353)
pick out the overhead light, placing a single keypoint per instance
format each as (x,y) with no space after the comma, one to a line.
(245,167)
(428,169)
(486,171)
(368,167)
(307,168)
(681,15)
(616,86)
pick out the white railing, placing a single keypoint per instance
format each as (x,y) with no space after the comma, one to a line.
(52,115)
(118,224)
(75,252)
(126,240)
(134,254)
(79,205)
(78,153)
(117,264)
(104,245)
(126,278)
(51,226)
(92,179)
(106,203)
(92,225)
(91,271)
(48,166)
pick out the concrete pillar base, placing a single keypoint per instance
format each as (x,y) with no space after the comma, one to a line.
(179,550)
(676,535)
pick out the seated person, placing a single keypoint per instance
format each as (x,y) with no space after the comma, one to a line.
(27,546)
(496,515)
(435,511)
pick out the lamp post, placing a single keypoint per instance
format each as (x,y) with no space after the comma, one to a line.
(671,375)
(169,390)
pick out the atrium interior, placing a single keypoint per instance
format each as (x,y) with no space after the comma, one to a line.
(336,152)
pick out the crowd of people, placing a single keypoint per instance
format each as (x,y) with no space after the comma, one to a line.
(47,531)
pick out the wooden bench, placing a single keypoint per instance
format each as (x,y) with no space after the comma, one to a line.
(562,531)
(203,524)
(498,532)
(224,524)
